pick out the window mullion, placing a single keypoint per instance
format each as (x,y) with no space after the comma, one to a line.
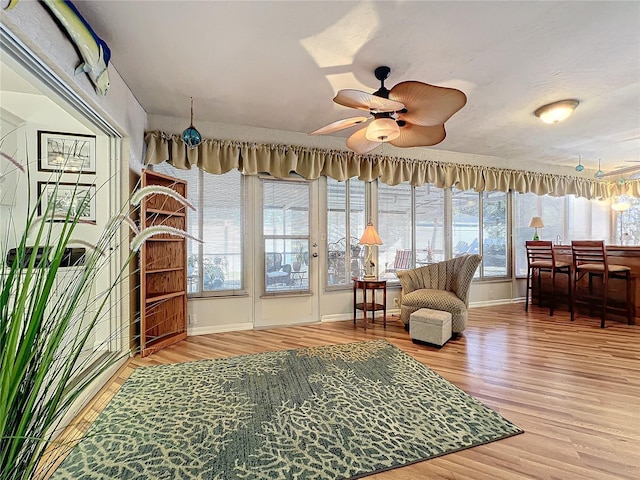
(347,216)
(200,230)
(481,231)
(414,253)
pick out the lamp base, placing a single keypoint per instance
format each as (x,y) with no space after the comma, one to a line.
(370,277)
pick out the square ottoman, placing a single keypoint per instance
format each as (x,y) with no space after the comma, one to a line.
(430,326)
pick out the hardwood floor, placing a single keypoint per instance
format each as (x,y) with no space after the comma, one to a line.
(573,387)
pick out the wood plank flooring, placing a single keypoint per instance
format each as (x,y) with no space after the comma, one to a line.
(573,387)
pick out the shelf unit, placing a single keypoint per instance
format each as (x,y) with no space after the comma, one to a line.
(163,268)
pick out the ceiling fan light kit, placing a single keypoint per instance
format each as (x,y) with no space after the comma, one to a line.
(557,111)
(411,114)
(382,130)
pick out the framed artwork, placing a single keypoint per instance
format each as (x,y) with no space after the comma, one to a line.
(66,152)
(75,198)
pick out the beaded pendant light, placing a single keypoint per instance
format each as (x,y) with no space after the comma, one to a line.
(599,174)
(191,136)
(579,167)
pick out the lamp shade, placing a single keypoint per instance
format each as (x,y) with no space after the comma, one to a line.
(536,222)
(382,130)
(370,236)
(557,111)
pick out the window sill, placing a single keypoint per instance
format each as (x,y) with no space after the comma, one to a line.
(213,295)
(305,293)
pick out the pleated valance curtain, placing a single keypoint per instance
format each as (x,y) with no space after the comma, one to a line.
(220,156)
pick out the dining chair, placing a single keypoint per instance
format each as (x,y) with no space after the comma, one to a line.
(590,258)
(541,258)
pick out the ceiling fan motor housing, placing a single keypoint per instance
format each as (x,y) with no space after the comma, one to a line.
(382,73)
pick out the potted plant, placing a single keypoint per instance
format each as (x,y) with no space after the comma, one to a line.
(42,341)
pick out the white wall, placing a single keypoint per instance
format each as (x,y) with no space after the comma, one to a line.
(33,25)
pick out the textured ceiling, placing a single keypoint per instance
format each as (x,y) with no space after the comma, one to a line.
(278,64)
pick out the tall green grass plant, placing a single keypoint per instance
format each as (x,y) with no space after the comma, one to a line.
(44,365)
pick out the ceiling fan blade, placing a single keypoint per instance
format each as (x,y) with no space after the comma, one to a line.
(358,142)
(622,171)
(418,136)
(339,125)
(427,105)
(366,101)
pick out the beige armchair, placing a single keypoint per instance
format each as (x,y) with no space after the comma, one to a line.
(439,286)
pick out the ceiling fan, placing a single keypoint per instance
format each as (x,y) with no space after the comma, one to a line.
(630,171)
(411,114)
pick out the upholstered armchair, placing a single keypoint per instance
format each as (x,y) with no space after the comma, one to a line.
(439,286)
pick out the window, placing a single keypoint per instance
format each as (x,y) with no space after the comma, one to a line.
(286,235)
(411,226)
(480,226)
(429,229)
(586,220)
(565,219)
(395,227)
(628,223)
(216,266)
(345,213)
(495,261)
(222,229)
(407,233)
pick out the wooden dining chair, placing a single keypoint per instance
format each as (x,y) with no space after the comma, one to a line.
(540,258)
(590,258)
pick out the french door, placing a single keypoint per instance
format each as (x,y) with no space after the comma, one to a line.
(286,260)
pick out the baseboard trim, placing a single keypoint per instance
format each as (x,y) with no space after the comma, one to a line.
(193,331)
(340,317)
(489,303)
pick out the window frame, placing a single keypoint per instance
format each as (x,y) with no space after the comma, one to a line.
(349,245)
(199,247)
(288,292)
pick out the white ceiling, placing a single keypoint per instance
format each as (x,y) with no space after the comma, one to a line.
(278,64)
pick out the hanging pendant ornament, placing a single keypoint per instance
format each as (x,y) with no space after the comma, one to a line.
(621,181)
(191,136)
(579,167)
(599,174)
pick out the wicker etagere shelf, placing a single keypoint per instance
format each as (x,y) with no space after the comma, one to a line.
(163,268)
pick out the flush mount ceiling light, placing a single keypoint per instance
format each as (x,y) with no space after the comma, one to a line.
(557,111)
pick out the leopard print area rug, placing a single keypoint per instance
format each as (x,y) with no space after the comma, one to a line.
(332,412)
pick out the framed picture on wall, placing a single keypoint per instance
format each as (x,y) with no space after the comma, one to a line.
(66,152)
(72,198)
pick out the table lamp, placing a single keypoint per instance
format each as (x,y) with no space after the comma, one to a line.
(536,222)
(370,238)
